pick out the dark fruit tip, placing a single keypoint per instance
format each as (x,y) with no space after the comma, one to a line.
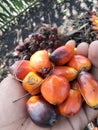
(53,122)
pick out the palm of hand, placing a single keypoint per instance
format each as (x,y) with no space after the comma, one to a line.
(15,117)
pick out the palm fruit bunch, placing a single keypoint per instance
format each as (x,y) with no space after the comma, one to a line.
(45,38)
(53,74)
(49,37)
(58,83)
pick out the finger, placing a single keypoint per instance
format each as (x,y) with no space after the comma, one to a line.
(94,71)
(91,113)
(82,49)
(93,53)
(11,113)
(79,121)
(62,124)
(93,56)
(29,125)
(71,42)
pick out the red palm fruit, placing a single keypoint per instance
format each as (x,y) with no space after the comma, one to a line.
(55,89)
(41,112)
(31,83)
(80,63)
(40,61)
(62,54)
(72,105)
(88,87)
(68,72)
(21,68)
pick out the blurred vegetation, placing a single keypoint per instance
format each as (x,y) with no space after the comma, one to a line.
(10,10)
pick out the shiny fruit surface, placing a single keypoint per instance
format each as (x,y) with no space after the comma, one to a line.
(31,83)
(55,89)
(41,112)
(68,72)
(89,88)
(80,63)
(72,105)
(40,61)
(21,68)
(63,54)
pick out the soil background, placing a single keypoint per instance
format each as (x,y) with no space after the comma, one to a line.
(50,12)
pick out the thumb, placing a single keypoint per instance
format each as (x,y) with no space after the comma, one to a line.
(93,56)
(93,53)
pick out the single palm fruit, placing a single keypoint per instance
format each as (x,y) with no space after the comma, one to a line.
(88,87)
(31,83)
(72,105)
(21,68)
(55,89)
(80,63)
(40,61)
(62,54)
(41,112)
(68,72)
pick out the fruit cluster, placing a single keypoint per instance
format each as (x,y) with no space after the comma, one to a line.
(58,83)
(94,20)
(46,37)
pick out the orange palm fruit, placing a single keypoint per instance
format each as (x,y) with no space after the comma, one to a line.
(88,87)
(62,54)
(95,128)
(55,89)
(31,83)
(68,72)
(40,61)
(41,112)
(21,68)
(80,63)
(72,105)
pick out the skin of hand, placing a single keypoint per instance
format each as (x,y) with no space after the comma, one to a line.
(13,116)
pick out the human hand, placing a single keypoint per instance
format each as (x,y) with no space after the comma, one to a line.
(13,116)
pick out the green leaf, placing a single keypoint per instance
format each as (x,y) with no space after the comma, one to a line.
(21,8)
(11,6)
(63,11)
(1,72)
(18,4)
(3,15)
(60,1)
(4,9)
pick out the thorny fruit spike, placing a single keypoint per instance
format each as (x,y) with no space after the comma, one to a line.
(31,83)
(80,63)
(55,89)
(41,112)
(21,68)
(40,61)
(72,105)
(62,54)
(88,87)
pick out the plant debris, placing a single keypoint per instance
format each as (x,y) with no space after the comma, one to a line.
(82,28)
